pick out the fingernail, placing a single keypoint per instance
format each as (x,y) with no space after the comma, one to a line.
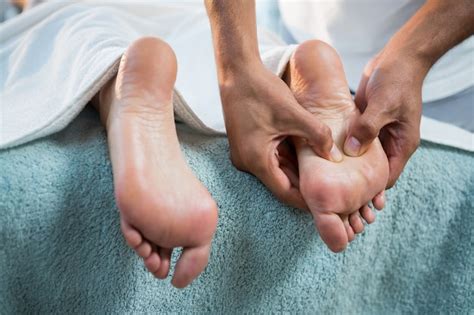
(352,146)
(336,155)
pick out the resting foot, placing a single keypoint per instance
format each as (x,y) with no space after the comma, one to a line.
(162,204)
(337,194)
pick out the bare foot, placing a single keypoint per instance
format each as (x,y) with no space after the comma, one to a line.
(336,193)
(162,204)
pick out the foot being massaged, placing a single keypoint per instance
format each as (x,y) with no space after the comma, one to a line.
(162,204)
(300,132)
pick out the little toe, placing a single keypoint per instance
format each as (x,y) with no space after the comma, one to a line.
(349,230)
(379,200)
(152,262)
(356,222)
(191,263)
(132,236)
(144,249)
(165,256)
(367,214)
(332,231)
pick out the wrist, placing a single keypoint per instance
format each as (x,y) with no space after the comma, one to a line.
(407,60)
(237,67)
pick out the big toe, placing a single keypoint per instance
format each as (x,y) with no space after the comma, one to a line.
(332,231)
(192,262)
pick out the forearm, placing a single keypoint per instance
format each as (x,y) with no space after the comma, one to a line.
(436,27)
(234,32)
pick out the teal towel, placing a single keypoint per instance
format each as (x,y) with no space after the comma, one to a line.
(61,250)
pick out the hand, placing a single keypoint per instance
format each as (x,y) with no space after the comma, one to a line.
(260,113)
(389,97)
(259,109)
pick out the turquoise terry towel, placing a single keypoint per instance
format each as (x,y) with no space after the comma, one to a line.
(61,249)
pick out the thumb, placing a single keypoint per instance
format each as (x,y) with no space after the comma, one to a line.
(364,130)
(318,135)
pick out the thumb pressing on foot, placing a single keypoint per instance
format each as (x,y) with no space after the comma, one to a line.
(363,131)
(317,134)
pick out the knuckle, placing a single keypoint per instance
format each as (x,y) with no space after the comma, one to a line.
(323,142)
(322,131)
(318,131)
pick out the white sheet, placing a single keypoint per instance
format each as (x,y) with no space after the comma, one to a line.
(56,57)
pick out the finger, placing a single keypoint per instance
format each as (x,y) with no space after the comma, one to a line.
(288,162)
(191,263)
(165,257)
(273,176)
(332,231)
(396,165)
(281,186)
(318,135)
(379,200)
(356,222)
(399,146)
(364,130)
(367,214)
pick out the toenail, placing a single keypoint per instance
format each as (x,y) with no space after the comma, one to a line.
(336,155)
(352,146)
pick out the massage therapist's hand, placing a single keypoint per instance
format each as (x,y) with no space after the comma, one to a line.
(389,94)
(259,109)
(260,112)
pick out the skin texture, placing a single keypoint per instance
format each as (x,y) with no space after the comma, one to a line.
(260,110)
(389,93)
(162,204)
(334,192)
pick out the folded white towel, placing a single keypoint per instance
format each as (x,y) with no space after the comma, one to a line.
(56,57)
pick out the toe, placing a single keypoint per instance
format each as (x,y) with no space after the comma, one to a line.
(356,222)
(367,214)
(152,262)
(132,236)
(165,256)
(332,231)
(191,263)
(379,200)
(144,249)
(349,230)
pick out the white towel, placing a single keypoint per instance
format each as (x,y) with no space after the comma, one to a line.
(56,57)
